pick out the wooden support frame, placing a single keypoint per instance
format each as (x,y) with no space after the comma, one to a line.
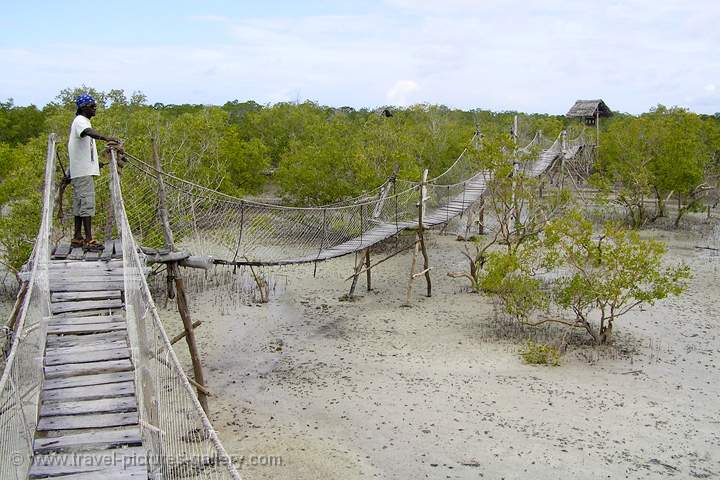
(357,270)
(262,285)
(183,334)
(481,217)
(420,246)
(397,252)
(368,278)
(174,279)
(362,260)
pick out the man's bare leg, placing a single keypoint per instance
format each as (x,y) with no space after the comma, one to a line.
(77,237)
(87,224)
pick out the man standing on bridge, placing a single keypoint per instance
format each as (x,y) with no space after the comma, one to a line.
(84,166)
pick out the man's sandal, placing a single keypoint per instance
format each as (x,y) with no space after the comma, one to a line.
(77,243)
(93,246)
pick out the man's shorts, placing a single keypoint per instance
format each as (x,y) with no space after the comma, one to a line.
(83,196)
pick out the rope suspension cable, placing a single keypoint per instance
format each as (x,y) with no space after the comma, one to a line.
(242,231)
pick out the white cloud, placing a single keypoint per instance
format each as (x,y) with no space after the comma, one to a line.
(401,92)
(540,56)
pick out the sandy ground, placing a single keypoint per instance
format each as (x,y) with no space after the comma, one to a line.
(369,389)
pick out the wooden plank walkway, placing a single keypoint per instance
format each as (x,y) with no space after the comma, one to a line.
(382,231)
(112,249)
(88,426)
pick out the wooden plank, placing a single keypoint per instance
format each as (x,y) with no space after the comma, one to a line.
(62,307)
(76,286)
(76,253)
(79,320)
(65,272)
(75,265)
(82,278)
(115,473)
(86,328)
(94,392)
(87,407)
(65,341)
(91,275)
(93,295)
(107,250)
(91,368)
(67,358)
(138,472)
(117,248)
(82,314)
(129,436)
(90,462)
(92,256)
(88,380)
(82,348)
(61,251)
(78,422)
(89,313)
(85,267)
(97,281)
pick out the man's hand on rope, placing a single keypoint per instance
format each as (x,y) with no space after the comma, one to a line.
(117,145)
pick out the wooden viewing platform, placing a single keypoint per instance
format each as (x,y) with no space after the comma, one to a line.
(88,424)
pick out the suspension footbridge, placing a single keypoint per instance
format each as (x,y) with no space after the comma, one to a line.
(91,386)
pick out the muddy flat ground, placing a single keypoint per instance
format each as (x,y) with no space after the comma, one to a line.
(370,389)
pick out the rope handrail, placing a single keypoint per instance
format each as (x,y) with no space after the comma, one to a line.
(172,412)
(242,231)
(23,373)
(229,199)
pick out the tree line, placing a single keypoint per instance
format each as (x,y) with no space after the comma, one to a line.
(310,154)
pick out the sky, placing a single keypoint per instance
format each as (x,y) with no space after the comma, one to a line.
(531,56)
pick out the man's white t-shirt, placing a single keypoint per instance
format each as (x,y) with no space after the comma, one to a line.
(82,150)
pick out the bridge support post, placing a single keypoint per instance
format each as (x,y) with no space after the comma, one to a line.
(357,270)
(181,299)
(420,246)
(173,273)
(481,217)
(368,278)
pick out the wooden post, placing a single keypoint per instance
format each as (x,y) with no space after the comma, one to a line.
(109,221)
(10,325)
(356,272)
(597,127)
(174,273)
(183,334)
(322,240)
(242,223)
(420,246)
(164,218)
(481,217)
(367,266)
(189,334)
(421,230)
(408,292)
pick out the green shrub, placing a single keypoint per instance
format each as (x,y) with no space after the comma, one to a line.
(540,354)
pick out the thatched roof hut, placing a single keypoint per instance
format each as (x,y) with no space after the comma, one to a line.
(589,110)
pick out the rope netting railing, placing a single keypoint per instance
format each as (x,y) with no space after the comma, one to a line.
(246,232)
(23,373)
(180,440)
(207,222)
(462,168)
